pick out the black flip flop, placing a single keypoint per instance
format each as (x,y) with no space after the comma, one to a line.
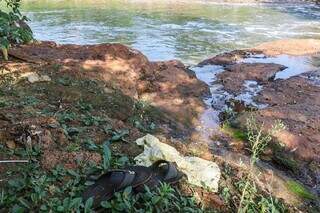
(114,181)
(162,171)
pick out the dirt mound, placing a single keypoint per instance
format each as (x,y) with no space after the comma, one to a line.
(170,86)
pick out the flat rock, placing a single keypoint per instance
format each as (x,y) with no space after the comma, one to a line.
(235,75)
(295,47)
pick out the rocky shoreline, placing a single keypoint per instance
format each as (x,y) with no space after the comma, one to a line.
(293,100)
(52,89)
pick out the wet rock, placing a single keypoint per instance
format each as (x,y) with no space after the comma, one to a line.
(234,76)
(228,58)
(296,102)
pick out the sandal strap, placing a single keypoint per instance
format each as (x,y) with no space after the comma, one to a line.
(172,172)
(171,169)
(127,179)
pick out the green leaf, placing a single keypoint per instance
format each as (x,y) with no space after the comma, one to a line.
(106,205)
(127,191)
(60,209)
(24,202)
(17,209)
(88,205)
(119,135)
(106,156)
(76,203)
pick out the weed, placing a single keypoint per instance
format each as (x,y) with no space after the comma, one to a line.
(226,195)
(235,133)
(258,140)
(30,188)
(164,199)
(299,190)
(142,112)
(66,116)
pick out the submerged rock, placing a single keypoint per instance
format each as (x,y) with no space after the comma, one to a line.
(200,172)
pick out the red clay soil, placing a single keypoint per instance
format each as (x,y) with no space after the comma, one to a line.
(170,86)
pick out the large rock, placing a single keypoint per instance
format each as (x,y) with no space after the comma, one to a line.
(297,102)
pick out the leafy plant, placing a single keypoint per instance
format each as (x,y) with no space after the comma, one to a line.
(13,27)
(258,139)
(300,190)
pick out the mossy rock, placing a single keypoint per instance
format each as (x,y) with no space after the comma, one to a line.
(237,134)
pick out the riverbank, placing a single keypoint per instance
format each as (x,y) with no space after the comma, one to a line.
(276,81)
(59,103)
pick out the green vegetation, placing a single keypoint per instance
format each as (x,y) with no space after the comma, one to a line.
(300,190)
(258,138)
(251,200)
(59,190)
(88,119)
(235,133)
(13,28)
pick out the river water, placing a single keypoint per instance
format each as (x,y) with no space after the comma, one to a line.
(186,30)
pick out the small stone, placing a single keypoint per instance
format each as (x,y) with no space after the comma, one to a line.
(35,77)
(108,90)
(46,139)
(11,144)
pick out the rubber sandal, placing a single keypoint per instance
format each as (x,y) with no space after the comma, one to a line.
(162,171)
(166,171)
(114,181)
